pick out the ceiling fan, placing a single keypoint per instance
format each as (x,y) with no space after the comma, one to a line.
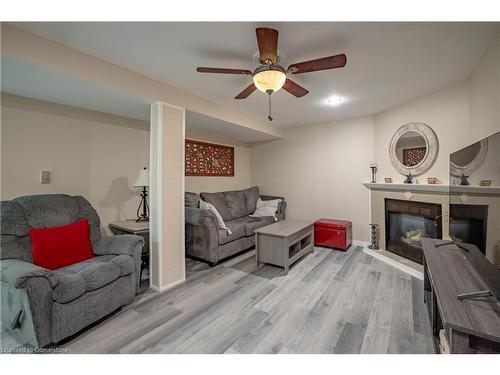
(269,76)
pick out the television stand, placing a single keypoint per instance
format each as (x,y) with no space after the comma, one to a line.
(471,321)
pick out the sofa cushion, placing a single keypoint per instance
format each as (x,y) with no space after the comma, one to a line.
(45,210)
(252,223)
(60,246)
(250,226)
(91,274)
(235,202)
(251,197)
(49,210)
(266,208)
(97,275)
(237,229)
(77,267)
(191,199)
(12,219)
(69,287)
(219,202)
(14,247)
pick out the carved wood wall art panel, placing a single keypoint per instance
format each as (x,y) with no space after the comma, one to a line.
(413,156)
(208,159)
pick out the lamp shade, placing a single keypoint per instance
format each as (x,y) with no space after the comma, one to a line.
(269,78)
(142,179)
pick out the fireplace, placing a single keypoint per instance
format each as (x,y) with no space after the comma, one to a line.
(468,223)
(406,223)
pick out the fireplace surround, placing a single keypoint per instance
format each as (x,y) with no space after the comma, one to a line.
(445,196)
(407,222)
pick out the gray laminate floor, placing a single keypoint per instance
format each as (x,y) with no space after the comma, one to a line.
(330,302)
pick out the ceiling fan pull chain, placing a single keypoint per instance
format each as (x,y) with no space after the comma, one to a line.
(269,92)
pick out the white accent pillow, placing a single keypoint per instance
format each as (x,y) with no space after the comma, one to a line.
(208,206)
(266,208)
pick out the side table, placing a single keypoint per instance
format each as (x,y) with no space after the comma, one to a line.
(138,228)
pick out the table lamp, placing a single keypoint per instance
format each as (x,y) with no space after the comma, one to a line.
(142,180)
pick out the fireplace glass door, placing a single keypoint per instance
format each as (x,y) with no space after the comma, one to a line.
(468,224)
(407,223)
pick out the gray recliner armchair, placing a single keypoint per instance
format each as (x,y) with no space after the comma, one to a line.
(40,306)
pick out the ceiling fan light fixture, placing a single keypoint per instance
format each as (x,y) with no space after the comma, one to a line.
(269,77)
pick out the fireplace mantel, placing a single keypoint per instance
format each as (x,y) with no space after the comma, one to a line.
(437,188)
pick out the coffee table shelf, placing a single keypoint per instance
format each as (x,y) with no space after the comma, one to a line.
(283,243)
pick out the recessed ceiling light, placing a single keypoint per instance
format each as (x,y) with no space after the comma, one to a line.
(334,100)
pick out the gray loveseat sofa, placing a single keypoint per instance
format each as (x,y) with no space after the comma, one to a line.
(206,241)
(39,306)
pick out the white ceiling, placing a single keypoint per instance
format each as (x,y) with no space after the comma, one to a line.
(228,130)
(387,63)
(24,79)
(27,80)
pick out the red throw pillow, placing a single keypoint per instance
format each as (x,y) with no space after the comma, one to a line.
(57,247)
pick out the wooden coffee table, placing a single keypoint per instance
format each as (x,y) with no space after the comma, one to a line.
(284,242)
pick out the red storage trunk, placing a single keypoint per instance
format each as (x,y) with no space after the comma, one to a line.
(333,233)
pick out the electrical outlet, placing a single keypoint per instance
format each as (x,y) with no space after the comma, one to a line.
(45,177)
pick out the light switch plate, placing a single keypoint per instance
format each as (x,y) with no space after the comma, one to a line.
(45,177)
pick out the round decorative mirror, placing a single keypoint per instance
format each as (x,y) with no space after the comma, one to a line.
(469,159)
(413,149)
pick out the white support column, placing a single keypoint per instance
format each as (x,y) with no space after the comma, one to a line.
(166,236)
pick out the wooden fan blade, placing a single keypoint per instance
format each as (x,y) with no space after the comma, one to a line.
(245,93)
(331,62)
(267,40)
(203,69)
(294,89)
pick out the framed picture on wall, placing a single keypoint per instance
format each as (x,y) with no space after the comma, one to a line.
(208,159)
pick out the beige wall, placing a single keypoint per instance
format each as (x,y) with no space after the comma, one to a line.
(446,112)
(241,179)
(97,160)
(91,154)
(319,170)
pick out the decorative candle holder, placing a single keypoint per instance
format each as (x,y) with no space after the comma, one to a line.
(374,237)
(373,167)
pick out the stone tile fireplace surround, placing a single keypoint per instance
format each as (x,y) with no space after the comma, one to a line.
(407,222)
(437,194)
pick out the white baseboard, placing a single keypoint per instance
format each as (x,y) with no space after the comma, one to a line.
(167,287)
(359,243)
(393,263)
